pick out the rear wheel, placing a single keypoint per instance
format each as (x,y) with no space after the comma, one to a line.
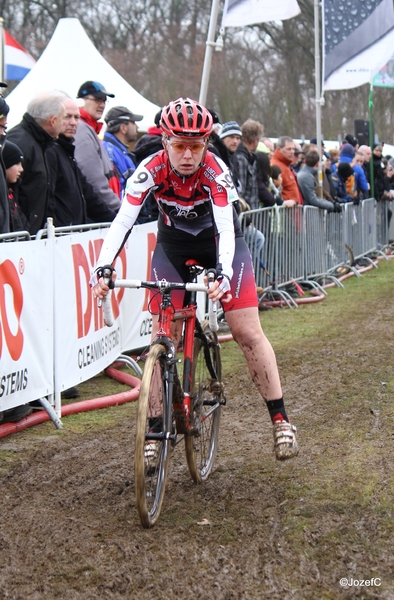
(207,393)
(152,446)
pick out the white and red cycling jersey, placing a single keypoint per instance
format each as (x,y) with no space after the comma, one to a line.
(198,204)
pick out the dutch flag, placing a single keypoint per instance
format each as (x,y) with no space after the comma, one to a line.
(17,61)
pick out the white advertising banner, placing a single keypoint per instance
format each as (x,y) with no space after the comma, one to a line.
(26,322)
(84,346)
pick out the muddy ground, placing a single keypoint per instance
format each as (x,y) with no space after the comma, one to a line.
(256,529)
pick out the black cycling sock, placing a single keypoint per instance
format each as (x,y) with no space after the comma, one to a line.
(275,408)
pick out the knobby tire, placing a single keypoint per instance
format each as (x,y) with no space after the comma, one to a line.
(151,472)
(206,395)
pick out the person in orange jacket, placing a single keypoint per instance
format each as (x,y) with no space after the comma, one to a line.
(284,157)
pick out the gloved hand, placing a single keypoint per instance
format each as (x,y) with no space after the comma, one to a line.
(337,207)
(356,201)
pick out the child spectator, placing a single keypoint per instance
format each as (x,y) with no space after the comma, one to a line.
(343,173)
(13,158)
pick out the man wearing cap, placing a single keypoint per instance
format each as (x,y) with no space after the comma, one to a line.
(89,151)
(121,130)
(353,141)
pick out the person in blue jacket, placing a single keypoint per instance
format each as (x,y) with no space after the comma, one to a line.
(346,155)
(121,129)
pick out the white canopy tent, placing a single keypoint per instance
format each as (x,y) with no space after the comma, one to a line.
(69,60)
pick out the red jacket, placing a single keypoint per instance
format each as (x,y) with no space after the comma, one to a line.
(290,189)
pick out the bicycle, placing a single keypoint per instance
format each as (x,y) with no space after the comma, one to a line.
(190,409)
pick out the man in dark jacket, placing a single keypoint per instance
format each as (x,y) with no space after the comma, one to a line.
(382,185)
(72,200)
(229,139)
(150,142)
(251,133)
(40,126)
(147,144)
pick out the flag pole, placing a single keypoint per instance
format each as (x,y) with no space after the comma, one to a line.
(318,99)
(210,45)
(1,49)
(371,141)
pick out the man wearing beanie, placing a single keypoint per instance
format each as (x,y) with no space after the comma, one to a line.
(4,206)
(224,145)
(230,135)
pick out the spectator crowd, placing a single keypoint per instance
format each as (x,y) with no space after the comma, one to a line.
(55,163)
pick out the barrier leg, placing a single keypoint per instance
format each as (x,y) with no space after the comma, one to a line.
(51,412)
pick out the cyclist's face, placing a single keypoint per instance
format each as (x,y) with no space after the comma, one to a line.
(185,154)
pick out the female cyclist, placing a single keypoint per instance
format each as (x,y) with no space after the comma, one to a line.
(195,193)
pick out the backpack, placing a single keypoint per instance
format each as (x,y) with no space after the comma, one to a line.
(351,186)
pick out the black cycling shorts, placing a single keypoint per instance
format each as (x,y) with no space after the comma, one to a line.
(170,256)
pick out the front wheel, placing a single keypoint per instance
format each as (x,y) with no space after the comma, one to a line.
(152,444)
(207,394)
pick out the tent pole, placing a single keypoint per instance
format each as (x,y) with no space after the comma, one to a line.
(210,45)
(318,99)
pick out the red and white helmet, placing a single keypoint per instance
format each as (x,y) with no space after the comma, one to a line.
(186,118)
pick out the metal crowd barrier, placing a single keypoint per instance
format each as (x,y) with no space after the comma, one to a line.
(391,223)
(384,214)
(304,243)
(15,236)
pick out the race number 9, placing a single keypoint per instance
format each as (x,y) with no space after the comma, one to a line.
(141,177)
